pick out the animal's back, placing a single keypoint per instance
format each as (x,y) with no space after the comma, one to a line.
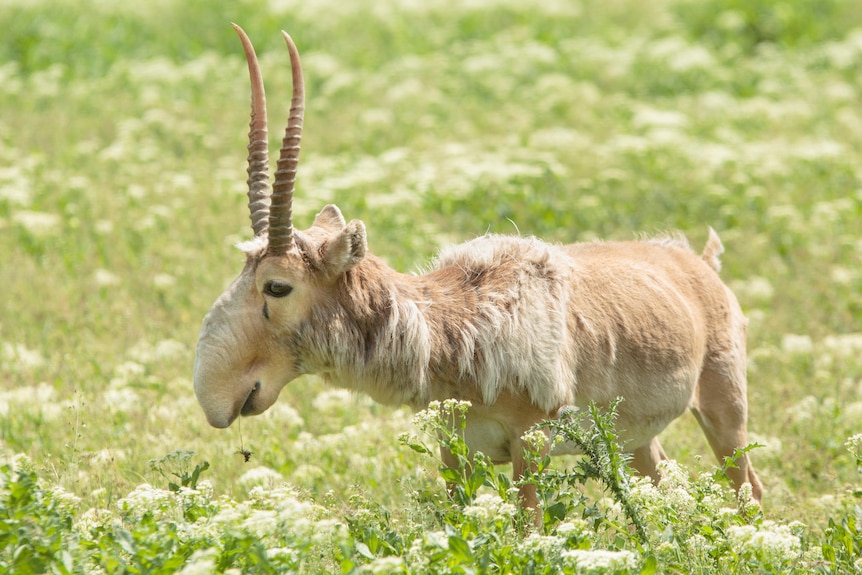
(647,316)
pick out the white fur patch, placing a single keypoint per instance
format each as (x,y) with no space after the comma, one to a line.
(254,246)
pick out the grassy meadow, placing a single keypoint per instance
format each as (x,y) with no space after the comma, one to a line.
(122,193)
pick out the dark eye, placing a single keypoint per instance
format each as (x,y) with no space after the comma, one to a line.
(276,288)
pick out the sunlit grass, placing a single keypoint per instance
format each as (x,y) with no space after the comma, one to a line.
(122,147)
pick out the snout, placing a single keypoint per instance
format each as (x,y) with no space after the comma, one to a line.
(236,372)
(221,409)
(224,395)
(218,420)
(218,391)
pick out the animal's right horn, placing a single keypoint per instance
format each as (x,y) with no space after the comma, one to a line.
(281,218)
(259,191)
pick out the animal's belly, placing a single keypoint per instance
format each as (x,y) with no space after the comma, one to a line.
(488,436)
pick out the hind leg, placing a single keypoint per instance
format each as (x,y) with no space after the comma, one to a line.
(721,408)
(647,457)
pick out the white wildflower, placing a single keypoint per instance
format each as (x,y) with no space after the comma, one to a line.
(22,463)
(164,281)
(103,227)
(843,276)
(38,398)
(556,138)
(37,223)
(699,544)
(771,540)
(285,415)
(488,507)
(206,489)
(827,502)
(308,473)
(794,344)
(126,373)
(292,510)
(804,410)
(262,523)
(644,492)
(453,405)
(748,506)
(201,562)
(65,500)
(19,193)
(854,446)
(329,529)
(599,560)
(535,440)
(93,519)
(417,558)
(332,400)
(228,515)
(104,278)
(121,400)
(20,357)
(675,485)
(260,476)
(282,555)
(844,345)
(168,349)
(440,415)
(757,289)
(547,545)
(145,499)
(772,446)
(646,116)
(573,527)
(191,498)
(384,566)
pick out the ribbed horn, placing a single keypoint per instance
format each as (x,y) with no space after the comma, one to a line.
(259,191)
(281,211)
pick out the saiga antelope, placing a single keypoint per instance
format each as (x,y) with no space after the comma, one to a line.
(519,327)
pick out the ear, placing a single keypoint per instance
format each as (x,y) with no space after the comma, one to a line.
(344,249)
(330,219)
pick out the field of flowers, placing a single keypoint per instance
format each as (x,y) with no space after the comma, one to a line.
(122,191)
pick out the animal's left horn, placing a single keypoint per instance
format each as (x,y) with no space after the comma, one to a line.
(258,155)
(281,212)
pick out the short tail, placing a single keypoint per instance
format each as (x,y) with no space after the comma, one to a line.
(713,249)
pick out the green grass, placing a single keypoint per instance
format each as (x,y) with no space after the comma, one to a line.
(122,170)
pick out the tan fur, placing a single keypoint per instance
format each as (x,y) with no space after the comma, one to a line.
(519,327)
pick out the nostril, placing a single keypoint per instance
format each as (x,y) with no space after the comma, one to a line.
(247,406)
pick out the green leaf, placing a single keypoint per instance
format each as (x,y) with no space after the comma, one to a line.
(363,550)
(650,566)
(475,481)
(451,475)
(418,447)
(460,549)
(557,511)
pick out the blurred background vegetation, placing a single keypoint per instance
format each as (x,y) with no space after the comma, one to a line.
(122,158)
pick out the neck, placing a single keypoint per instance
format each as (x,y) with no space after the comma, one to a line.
(373,336)
(469,329)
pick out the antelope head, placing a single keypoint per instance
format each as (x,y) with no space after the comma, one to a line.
(246,349)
